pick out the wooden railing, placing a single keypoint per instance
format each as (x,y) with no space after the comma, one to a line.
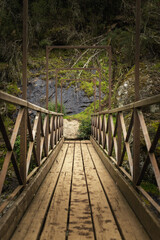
(114,131)
(44,131)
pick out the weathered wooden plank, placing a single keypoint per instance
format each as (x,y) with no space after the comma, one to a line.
(130,226)
(105,225)
(31,223)
(12,99)
(56,222)
(84,142)
(80,222)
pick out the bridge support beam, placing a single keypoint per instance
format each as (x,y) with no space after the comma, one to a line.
(47,57)
(136,143)
(109,99)
(23,131)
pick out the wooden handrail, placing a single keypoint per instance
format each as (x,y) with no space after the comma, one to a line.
(142,103)
(41,138)
(117,139)
(23,103)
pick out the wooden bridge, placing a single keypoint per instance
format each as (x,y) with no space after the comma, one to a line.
(79,200)
(80,189)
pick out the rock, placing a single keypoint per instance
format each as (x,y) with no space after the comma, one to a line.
(149,85)
(75,100)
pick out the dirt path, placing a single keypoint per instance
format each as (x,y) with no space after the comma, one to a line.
(70,129)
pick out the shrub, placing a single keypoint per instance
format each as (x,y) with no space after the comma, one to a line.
(84,130)
(52,107)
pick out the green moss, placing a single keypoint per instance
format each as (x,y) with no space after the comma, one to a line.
(150,188)
(13,89)
(8,123)
(156,66)
(11,108)
(60,59)
(88,88)
(104,87)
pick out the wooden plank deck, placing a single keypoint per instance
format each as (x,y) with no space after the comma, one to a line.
(79,200)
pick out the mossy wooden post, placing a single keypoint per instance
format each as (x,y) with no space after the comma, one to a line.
(136,140)
(23,130)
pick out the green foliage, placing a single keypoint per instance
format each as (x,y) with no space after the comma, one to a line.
(150,188)
(8,123)
(45,42)
(156,67)
(85,114)
(13,89)
(84,130)
(87,87)
(52,107)
(10,108)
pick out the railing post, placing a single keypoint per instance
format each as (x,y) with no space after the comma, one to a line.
(109,103)
(59,128)
(99,126)
(94,126)
(109,135)
(47,80)
(104,131)
(94,95)
(56,136)
(38,140)
(47,83)
(62,126)
(100,89)
(56,90)
(136,141)
(119,140)
(61,96)
(110,76)
(23,130)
